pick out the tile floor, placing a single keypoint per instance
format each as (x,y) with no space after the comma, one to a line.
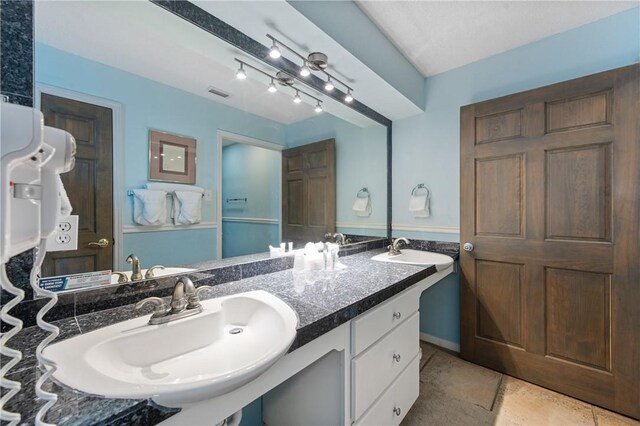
(454,392)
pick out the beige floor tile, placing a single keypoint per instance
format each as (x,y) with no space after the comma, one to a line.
(521,403)
(460,380)
(434,408)
(607,418)
(427,351)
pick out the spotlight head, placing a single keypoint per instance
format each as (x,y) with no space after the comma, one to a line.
(318,107)
(240,74)
(297,99)
(305,71)
(329,85)
(275,51)
(348,98)
(272,87)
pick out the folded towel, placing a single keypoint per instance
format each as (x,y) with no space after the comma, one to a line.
(419,205)
(187,207)
(65,204)
(149,207)
(362,206)
(171,187)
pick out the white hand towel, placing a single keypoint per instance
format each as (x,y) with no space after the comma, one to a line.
(362,206)
(187,207)
(149,207)
(65,204)
(419,205)
(171,187)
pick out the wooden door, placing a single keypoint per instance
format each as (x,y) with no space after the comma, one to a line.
(309,192)
(88,185)
(550,200)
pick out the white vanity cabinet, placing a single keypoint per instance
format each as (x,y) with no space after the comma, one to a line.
(385,344)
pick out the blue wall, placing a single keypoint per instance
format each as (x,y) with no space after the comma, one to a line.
(149,104)
(361,155)
(426,147)
(254,173)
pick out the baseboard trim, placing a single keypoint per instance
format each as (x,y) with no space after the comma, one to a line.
(426,228)
(137,229)
(250,220)
(440,342)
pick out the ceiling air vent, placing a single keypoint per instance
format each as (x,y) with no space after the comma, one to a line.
(217,92)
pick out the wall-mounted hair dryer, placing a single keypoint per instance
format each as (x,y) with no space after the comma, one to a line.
(21,139)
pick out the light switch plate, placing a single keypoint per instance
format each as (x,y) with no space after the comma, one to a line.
(65,237)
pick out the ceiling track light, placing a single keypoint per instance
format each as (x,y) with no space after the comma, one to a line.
(274,52)
(272,87)
(329,85)
(240,74)
(283,79)
(314,61)
(349,97)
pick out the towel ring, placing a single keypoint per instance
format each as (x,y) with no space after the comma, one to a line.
(419,187)
(363,193)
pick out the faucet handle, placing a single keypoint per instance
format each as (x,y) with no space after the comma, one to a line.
(193,299)
(149,273)
(159,307)
(203,288)
(122,277)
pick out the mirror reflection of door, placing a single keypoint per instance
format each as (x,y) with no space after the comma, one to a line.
(88,185)
(309,192)
(250,200)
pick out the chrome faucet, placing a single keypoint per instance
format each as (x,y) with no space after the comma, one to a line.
(394,248)
(185,302)
(149,274)
(136,274)
(340,238)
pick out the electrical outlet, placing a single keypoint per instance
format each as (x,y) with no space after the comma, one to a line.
(65,237)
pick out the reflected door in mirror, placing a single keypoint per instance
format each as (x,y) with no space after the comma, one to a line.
(88,185)
(309,192)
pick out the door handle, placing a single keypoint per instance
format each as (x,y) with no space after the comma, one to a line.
(101,243)
(467,247)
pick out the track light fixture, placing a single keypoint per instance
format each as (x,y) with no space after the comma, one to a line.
(275,51)
(348,98)
(305,71)
(329,85)
(314,61)
(272,87)
(241,75)
(283,79)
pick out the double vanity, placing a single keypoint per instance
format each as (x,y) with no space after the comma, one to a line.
(319,347)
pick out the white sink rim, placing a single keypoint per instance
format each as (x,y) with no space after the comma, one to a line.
(408,256)
(77,372)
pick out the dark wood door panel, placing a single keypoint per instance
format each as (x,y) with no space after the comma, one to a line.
(551,291)
(88,185)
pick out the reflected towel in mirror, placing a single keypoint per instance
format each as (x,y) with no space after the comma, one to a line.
(362,206)
(187,207)
(149,207)
(419,205)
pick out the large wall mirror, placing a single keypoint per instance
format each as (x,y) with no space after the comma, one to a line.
(266,169)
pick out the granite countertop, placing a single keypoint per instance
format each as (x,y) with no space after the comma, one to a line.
(323,300)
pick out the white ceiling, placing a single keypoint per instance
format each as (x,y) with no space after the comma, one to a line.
(438,36)
(144,39)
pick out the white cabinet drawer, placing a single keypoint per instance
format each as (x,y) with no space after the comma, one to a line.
(378,366)
(371,326)
(396,401)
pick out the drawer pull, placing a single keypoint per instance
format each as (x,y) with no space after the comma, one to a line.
(397,411)
(396,357)
(397,315)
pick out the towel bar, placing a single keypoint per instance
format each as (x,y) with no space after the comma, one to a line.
(236,200)
(418,187)
(130,193)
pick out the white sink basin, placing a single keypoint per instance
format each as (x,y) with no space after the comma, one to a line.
(156,273)
(184,361)
(417,257)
